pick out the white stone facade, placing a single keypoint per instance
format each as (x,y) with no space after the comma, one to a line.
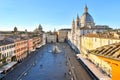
(51,38)
(7,51)
(62,35)
(82,26)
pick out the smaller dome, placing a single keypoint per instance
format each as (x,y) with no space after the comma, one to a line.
(39,27)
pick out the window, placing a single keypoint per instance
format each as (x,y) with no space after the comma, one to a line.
(2,48)
(7,54)
(4,54)
(7,47)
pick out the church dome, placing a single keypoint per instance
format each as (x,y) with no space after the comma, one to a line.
(86,18)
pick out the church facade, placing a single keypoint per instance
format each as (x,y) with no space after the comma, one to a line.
(81,26)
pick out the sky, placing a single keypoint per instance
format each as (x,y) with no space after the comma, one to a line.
(28,14)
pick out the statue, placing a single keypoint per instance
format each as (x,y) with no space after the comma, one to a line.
(55,48)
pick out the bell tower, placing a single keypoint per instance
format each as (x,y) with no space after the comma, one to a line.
(73,26)
(77,23)
(85,9)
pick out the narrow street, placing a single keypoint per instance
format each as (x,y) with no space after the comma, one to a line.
(45,65)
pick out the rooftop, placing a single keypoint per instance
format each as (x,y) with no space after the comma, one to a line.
(102,35)
(5,42)
(67,29)
(109,51)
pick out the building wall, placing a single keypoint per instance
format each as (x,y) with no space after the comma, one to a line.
(115,67)
(70,37)
(2,37)
(116,35)
(105,66)
(90,43)
(44,38)
(7,51)
(30,45)
(21,48)
(36,42)
(62,35)
(51,38)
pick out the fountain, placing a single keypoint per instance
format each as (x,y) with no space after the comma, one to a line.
(55,49)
